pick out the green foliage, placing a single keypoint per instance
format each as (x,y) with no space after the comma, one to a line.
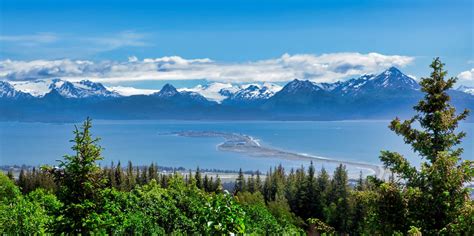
(240,183)
(318,226)
(31,214)
(9,192)
(80,180)
(434,194)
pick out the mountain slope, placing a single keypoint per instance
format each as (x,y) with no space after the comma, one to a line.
(7,91)
(250,93)
(81,89)
(466,89)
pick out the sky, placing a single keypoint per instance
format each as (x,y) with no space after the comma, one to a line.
(146,43)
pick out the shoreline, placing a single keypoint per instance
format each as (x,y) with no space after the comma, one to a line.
(245,144)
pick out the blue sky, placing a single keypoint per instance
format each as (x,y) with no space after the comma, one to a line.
(239,31)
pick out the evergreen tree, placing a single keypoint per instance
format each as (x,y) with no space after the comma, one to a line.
(218,185)
(80,180)
(190,180)
(258,182)
(119,179)
(164,181)
(10,174)
(130,176)
(239,183)
(152,172)
(339,196)
(299,202)
(206,184)
(311,197)
(144,179)
(267,186)
(22,181)
(435,192)
(323,186)
(291,190)
(251,184)
(360,183)
(111,176)
(210,186)
(137,175)
(198,178)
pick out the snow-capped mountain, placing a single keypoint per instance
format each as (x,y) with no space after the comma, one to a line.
(212,91)
(381,96)
(129,91)
(81,89)
(220,92)
(8,91)
(250,92)
(169,92)
(466,89)
(307,94)
(301,87)
(391,79)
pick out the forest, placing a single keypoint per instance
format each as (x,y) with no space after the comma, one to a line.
(78,196)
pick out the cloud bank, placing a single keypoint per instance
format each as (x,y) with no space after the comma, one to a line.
(467,75)
(319,68)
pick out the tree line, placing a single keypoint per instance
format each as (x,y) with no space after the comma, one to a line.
(79,196)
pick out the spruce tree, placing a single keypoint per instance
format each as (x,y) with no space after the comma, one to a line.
(239,183)
(339,197)
(198,178)
(435,192)
(22,180)
(80,182)
(311,198)
(130,176)
(119,179)
(258,182)
(251,183)
(10,174)
(137,175)
(218,185)
(206,183)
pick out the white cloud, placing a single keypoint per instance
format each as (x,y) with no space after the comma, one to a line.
(119,40)
(54,45)
(466,75)
(319,68)
(30,40)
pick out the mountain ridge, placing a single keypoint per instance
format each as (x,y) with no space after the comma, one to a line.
(383,96)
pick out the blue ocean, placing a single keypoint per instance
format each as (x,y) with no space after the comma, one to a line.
(144,142)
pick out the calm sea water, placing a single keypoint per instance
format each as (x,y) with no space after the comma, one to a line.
(141,142)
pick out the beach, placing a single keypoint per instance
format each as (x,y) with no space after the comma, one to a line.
(248,145)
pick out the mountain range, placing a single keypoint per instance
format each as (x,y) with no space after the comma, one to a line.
(382,96)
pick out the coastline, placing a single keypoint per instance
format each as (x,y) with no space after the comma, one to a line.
(245,144)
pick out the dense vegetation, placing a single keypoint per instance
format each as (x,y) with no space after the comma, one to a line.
(79,196)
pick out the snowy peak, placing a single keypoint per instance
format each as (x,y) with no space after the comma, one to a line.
(168,90)
(8,91)
(390,79)
(466,89)
(301,86)
(82,89)
(214,91)
(250,92)
(395,79)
